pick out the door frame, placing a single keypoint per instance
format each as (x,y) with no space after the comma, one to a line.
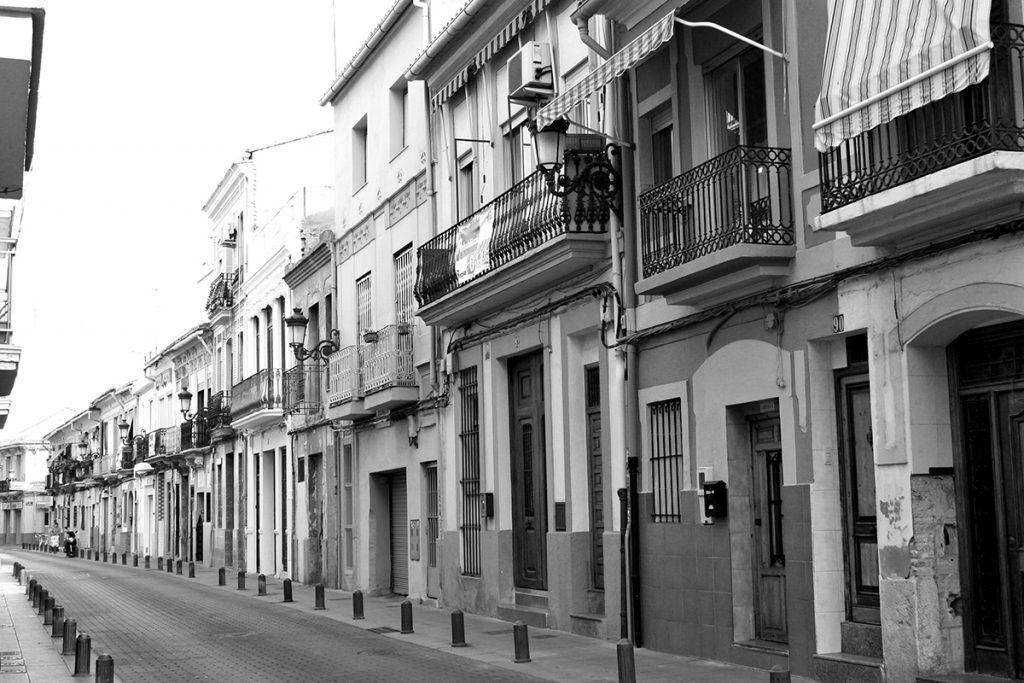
(539,469)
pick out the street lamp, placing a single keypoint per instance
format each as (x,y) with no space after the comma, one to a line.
(123,427)
(185,401)
(594,174)
(296,323)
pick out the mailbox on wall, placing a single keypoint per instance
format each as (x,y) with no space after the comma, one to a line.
(715,501)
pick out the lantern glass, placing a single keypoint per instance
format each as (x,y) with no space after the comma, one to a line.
(549,145)
(185,399)
(123,428)
(297,327)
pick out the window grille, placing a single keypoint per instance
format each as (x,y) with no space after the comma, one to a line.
(405,280)
(433,521)
(364,301)
(469,440)
(666,458)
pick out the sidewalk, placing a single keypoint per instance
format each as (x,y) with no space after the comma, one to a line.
(27,652)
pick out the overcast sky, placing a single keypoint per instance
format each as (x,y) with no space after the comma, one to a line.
(142,108)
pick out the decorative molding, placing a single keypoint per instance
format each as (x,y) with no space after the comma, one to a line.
(362,234)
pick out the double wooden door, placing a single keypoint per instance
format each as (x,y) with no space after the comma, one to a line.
(529,465)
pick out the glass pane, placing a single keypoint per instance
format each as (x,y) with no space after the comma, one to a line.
(723,109)
(862,456)
(661,155)
(755,115)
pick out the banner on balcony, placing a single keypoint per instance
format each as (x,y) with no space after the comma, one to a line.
(473,245)
(884,59)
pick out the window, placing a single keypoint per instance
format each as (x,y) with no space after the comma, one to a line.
(364,304)
(661,146)
(268,320)
(520,154)
(469,442)
(405,280)
(666,425)
(256,342)
(359,151)
(300,473)
(399,116)
(737,113)
(466,188)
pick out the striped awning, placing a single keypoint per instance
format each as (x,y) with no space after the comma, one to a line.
(493,46)
(874,47)
(626,58)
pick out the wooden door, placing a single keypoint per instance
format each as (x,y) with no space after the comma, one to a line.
(769,557)
(315,512)
(596,472)
(857,478)
(528,461)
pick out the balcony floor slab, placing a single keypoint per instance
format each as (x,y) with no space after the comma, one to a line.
(349,410)
(259,419)
(971,195)
(391,398)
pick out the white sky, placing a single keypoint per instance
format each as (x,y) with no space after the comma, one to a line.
(142,108)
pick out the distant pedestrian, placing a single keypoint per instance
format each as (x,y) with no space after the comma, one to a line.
(54,543)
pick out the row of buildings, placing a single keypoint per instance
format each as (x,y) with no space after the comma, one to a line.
(733,375)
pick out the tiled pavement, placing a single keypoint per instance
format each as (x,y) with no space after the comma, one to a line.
(556,655)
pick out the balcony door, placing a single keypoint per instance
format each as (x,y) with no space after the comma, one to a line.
(529,465)
(736,110)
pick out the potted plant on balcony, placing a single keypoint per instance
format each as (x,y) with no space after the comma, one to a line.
(370,336)
(403,327)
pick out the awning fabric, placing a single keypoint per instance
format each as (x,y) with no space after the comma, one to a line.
(874,45)
(493,46)
(623,60)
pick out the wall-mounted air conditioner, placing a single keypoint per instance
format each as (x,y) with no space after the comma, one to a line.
(530,79)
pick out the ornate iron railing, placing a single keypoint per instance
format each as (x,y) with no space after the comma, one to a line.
(261,391)
(523,218)
(388,361)
(740,197)
(222,292)
(344,376)
(219,410)
(964,125)
(302,386)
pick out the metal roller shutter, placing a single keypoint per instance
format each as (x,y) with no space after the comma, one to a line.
(399,535)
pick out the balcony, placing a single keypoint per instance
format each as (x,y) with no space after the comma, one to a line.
(222,295)
(721,230)
(10,355)
(219,414)
(389,373)
(256,400)
(948,167)
(345,385)
(302,386)
(522,243)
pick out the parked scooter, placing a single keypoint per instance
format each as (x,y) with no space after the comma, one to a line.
(71,545)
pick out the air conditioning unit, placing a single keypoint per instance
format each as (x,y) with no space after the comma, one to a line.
(531,80)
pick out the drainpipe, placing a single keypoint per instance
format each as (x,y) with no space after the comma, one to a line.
(424,5)
(588,40)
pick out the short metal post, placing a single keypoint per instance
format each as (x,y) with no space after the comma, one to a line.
(522,643)
(357,605)
(124,559)
(145,562)
(318,596)
(70,631)
(48,611)
(135,559)
(191,570)
(105,556)
(778,674)
(30,588)
(177,567)
(627,663)
(169,564)
(288,590)
(104,669)
(458,629)
(14,569)
(406,616)
(220,577)
(40,604)
(57,629)
(261,584)
(241,579)
(96,556)
(81,552)
(159,563)
(83,654)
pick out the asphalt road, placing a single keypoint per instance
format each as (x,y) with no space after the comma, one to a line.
(159,628)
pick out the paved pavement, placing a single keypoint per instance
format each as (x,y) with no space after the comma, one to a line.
(161,626)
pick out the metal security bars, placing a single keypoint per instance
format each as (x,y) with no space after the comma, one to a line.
(405,283)
(740,197)
(469,442)
(977,120)
(433,516)
(666,429)
(301,385)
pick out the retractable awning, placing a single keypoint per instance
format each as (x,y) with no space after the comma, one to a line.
(623,60)
(884,59)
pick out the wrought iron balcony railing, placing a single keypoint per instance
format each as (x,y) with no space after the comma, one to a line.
(261,391)
(740,197)
(219,411)
(523,218)
(302,386)
(964,125)
(344,376)
(388,361)
(195,434)
(222,292)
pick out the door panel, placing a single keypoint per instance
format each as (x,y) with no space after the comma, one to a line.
(594,458)
(528,461)
(770,560)
(316,519)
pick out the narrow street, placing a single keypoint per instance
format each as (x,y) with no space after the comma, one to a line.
(158,628)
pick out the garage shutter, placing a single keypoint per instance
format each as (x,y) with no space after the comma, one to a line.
(399,535)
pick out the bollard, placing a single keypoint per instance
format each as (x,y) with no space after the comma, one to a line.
(177,567)
(169,564)
(104,669)
(319,597)
(135,559)
(220,577)
(458,629)
(159,563)
(83,654)
(357,605)
(35,595)
(261,584)
(44,595)
(81,552)
(406,616)
(70,629)
(57,624)
(124,559)
(191,570)
(105,558)
(14,569)
(288,590)
(241,579)
(48,611)
(30,588)
(522,643)
(96,555)
(627,663)
(778,674)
